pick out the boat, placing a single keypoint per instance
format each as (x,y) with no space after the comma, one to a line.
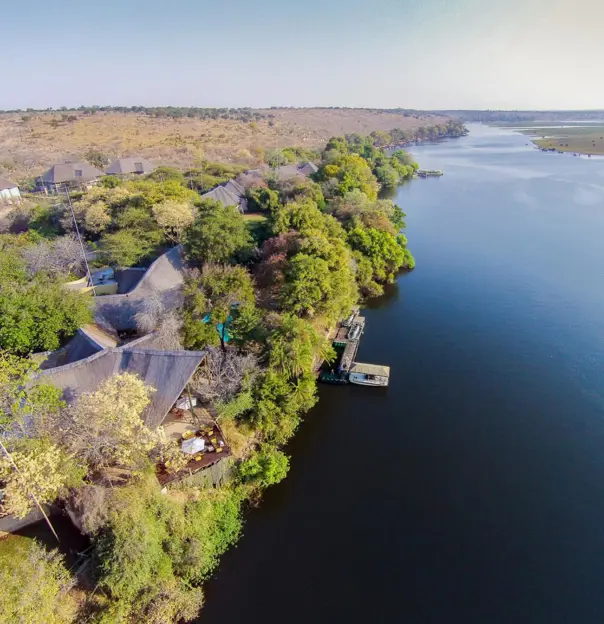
(348,322)
(355,332)
(369,374)
(434,173)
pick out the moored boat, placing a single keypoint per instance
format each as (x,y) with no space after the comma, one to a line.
(369,374)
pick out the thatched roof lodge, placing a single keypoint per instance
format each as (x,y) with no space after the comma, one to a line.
(166,371)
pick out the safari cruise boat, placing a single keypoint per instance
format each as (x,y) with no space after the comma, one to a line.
(369,374)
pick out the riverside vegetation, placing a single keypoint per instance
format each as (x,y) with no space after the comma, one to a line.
(280,282)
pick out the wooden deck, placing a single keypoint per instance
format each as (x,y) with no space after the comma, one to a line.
(202,426)
(346,341)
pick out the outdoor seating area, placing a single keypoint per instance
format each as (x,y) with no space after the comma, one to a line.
(198,436)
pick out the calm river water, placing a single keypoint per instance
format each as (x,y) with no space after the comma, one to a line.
(472,489)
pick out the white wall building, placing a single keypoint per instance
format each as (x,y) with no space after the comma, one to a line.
(9,192)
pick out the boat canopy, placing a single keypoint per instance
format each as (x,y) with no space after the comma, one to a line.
(370,369)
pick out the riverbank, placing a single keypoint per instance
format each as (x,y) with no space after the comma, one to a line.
(272,286)
(588,140)
(478,474)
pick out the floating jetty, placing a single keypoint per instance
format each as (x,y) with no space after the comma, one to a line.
(345,370)
(431,173)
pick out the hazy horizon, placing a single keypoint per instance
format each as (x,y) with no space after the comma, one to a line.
(518,55)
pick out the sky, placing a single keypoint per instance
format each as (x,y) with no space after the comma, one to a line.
(423,54)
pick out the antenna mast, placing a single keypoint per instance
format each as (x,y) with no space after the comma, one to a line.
(88,273)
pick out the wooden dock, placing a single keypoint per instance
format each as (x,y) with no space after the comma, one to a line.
(346,343)
(432,173)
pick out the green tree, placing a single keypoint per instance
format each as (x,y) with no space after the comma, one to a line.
(262,200)
(129,247)
(156,550)
(12,267)
(43,471)
(174,217)
(214,298)
(167,174)
(384,251)
(40,316)
(351,171)
(276,158)
(405,158)
(387,176)
(265,467)
(148,192)
(308,285)
(295,347)
(26,404)
(218,235)
(280,403)
(35,584)
(303,216)
(381,138)
(97,158)
(105,427)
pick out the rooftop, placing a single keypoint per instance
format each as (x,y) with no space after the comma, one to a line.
(166,371)
(71,172)
(370,369)
(6,184)
(132,164)
(164,277)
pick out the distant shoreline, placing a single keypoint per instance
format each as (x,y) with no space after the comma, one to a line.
(585,139)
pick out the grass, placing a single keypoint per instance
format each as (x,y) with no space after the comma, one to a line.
(254,217)
(28,147)
(577,139)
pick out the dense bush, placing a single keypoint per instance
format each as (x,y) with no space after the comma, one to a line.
(156,550)
(35,584)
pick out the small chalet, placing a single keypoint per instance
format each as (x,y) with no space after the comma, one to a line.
(166,371)
(9,192)
(308,168)
(230,193)
(132,165)
(69,174)
(164,278)
(172,404)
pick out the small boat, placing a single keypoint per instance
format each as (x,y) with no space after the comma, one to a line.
(369,374)
(433,173)
(355,332)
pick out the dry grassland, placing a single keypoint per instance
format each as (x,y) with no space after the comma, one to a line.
(28,147)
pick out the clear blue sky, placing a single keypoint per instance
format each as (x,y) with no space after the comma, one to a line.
(374,53)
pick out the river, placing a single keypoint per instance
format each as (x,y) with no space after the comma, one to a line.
(472,489)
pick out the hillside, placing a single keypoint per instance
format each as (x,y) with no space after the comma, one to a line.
(30,142)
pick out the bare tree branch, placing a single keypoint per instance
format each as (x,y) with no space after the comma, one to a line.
(61,256)
(166,324)
(223,374)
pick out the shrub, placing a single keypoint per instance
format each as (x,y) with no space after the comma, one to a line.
(35,584)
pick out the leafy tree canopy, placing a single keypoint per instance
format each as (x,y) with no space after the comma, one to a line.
(351,171)
(43,470)
(129,247)
(40,315)
(215,297)
(218,235)
(265,467)
(35,584)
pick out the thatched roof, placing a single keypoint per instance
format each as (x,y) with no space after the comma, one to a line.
(166,371)
(68,172)
(230,194)
(235,188)
(222,195)
(88,340)
(133,164)
(7,184)
(164,277)
(308,168)
(370,369)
